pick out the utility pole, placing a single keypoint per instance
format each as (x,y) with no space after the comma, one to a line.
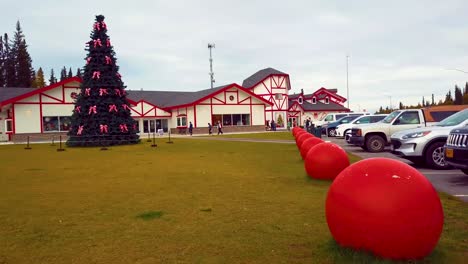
(210,46)
(347,80)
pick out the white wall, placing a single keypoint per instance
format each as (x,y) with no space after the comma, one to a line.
(57,110)
(3,116)
(203,115)
(27,118)
(258,115)
(231,109)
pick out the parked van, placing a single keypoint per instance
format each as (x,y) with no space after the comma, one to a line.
(332,117)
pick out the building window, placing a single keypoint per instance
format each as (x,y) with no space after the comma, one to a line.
(9,125)
(278,96)
(181,121)
(314,100)
(56,123)
(232,119)
(300,100)
(327,100)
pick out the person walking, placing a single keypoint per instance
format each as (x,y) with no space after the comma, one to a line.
(220,128)
(190,128)
(210,127)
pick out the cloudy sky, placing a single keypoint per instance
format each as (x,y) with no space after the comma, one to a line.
(399,50)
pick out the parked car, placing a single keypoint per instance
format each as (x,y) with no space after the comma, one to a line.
(342,129)
(330,128)
(426,145)
(456,149)
(375,137)
(332,117)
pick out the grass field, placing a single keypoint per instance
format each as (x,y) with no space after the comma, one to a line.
(195,201)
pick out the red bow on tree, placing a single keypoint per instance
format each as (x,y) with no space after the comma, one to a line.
(92,109)
(123,128)
(103,128)
(102,91)
(80,130)
(96,74)
(78,109)
(97,42)
(112,107)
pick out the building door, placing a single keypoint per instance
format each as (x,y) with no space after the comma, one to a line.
(292,121)
(152,125)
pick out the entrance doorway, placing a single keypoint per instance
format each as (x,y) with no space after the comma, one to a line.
(153,125)
(293,121)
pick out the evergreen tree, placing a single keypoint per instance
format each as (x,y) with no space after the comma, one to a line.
(400,106)
(23,62)
(40,81)
(78,72)
(101,115)
(70,74)
(465,94)
(448,98)
(2,60)
(9,70)
(423,101)
(432,102)
(466,88)
(458,96)
(63,73)
(52,78)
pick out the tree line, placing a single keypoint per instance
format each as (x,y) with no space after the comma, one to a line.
(460,97)
(16,68)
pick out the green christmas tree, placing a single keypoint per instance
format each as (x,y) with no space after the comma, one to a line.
(101,116)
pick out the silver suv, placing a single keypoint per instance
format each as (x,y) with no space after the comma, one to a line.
(426,145)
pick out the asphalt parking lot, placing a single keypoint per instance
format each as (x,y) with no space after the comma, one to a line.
(453,182)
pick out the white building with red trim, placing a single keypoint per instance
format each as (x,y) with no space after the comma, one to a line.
(264,96)
(314,106)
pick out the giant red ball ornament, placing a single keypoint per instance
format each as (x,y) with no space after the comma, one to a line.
(385,206)
(308,144)
(325,161)
(300,132)
(301,138)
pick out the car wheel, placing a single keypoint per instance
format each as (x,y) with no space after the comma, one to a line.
(434,156)
(465,171)
(364,147)
(375,143)
(332,132)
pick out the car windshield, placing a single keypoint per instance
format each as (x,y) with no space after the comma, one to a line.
(347,119)
(391,117)
(454,119)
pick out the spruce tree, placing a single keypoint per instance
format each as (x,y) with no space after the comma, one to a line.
(63,73)
(101,116)
(40,81)
(2,60)
(458,96)
(52,78)
(9,63)
(23,62)
(70,74)
(78,73)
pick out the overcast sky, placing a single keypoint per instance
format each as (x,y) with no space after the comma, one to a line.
(399,50)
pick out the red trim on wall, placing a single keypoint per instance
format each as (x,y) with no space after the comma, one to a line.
(251,111)
(51,97)
(195,116)
(211,110)
(13,117)
(63,94)
(40,90)
(218,92)
(40,112)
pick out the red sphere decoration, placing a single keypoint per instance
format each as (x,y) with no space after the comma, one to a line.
(299,132)
(308,144)
(325,161)
(301,138)
(385,206)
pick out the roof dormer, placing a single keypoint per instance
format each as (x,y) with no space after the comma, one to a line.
(300,100)
(314,100)
(327,100)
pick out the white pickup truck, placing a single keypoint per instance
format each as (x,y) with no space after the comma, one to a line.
(375,137)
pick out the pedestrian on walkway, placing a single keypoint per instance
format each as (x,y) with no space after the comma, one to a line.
(220,128)
(210,127)
(190,128)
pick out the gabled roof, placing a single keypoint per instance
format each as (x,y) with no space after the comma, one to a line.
(327,91)
(319,106)
(172,99)
(261,75)
(8,95)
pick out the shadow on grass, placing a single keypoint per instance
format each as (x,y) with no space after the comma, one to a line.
(339,254)
(150,215)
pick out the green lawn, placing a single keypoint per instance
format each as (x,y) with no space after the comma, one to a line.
(195,201)
(283,135)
